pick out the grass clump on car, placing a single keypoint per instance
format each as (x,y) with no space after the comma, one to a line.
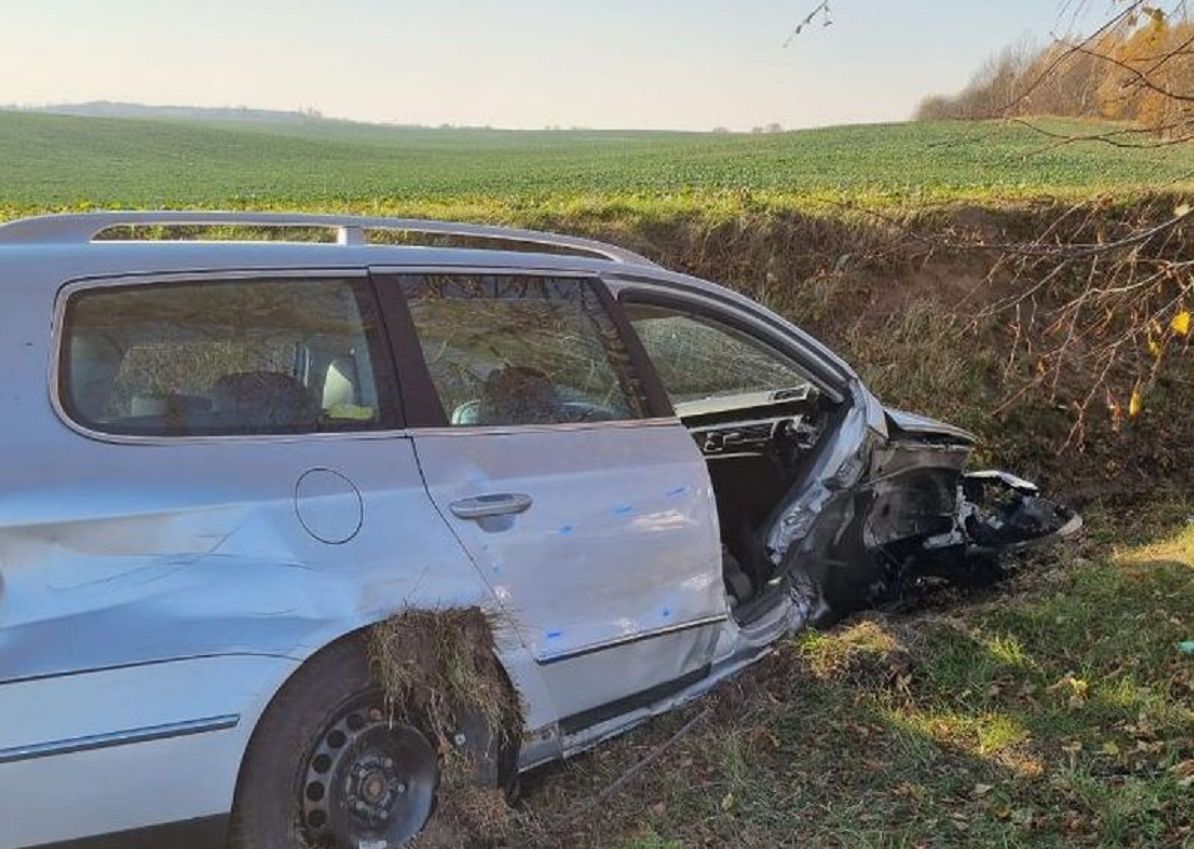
(439,671)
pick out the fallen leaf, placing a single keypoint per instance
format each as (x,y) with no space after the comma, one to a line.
(1136,404)
(1181,323)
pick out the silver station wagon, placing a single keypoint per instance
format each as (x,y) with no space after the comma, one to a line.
(224,461)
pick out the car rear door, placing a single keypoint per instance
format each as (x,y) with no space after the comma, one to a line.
(554,456)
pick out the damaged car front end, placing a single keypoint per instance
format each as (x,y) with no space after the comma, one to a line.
(902,507)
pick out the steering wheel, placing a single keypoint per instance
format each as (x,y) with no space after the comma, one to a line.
(469,413)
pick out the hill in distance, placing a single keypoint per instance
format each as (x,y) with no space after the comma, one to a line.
(120,109)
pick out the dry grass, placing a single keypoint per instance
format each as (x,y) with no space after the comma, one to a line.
(432,664)
(439,671)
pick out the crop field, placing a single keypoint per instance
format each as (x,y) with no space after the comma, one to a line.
(1053,710)
(58,161)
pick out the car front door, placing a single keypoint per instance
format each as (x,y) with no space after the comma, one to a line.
(579,496)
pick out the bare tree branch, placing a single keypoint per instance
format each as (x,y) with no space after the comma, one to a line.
(821,9)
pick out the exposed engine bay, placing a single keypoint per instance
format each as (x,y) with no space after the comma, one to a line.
(904,509)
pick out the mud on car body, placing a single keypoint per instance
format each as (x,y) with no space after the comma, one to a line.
(227,464)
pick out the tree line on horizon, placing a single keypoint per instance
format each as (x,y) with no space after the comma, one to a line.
(1139,70)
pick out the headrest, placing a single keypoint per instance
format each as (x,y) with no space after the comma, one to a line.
(264,398)
(519,395)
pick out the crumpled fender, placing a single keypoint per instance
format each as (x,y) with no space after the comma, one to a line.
(914,510)
(911,424)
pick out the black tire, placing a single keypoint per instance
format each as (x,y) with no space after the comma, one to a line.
(269,808)
(266,812)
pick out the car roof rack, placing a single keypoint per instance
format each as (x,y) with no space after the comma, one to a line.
(83,228)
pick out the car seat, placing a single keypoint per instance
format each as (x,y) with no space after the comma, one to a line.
(519,395)
(264,399)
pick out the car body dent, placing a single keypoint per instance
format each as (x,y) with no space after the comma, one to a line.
(144,570)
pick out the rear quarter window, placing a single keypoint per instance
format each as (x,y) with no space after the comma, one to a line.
(224,357)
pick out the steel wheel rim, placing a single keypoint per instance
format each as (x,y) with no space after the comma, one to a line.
(367,781)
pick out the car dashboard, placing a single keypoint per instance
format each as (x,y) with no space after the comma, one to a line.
(758,424)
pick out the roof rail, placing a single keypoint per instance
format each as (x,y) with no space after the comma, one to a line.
(83,228)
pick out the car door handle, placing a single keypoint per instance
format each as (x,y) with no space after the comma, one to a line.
(494,504)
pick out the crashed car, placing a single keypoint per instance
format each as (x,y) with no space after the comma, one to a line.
(225,461)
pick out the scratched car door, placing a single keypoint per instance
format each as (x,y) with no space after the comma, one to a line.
(582,500)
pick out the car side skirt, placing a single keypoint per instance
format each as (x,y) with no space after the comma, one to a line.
(603,713)
(202,833)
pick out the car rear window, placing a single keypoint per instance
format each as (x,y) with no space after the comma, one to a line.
(224,357)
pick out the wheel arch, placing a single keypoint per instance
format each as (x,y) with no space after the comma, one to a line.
(511,658)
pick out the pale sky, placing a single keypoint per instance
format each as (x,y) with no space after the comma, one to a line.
(684,64)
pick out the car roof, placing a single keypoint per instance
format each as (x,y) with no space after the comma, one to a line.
(73,246)
(120,258)
(85,229)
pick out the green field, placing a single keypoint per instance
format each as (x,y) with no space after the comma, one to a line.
(63,161)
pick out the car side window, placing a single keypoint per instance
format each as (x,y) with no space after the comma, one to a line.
(224,357)
(521,350)
(699,358)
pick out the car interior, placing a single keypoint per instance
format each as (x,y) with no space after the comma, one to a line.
(167,361)
(756,417)
(320,391)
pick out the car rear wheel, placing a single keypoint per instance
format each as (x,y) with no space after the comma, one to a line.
(328,767)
